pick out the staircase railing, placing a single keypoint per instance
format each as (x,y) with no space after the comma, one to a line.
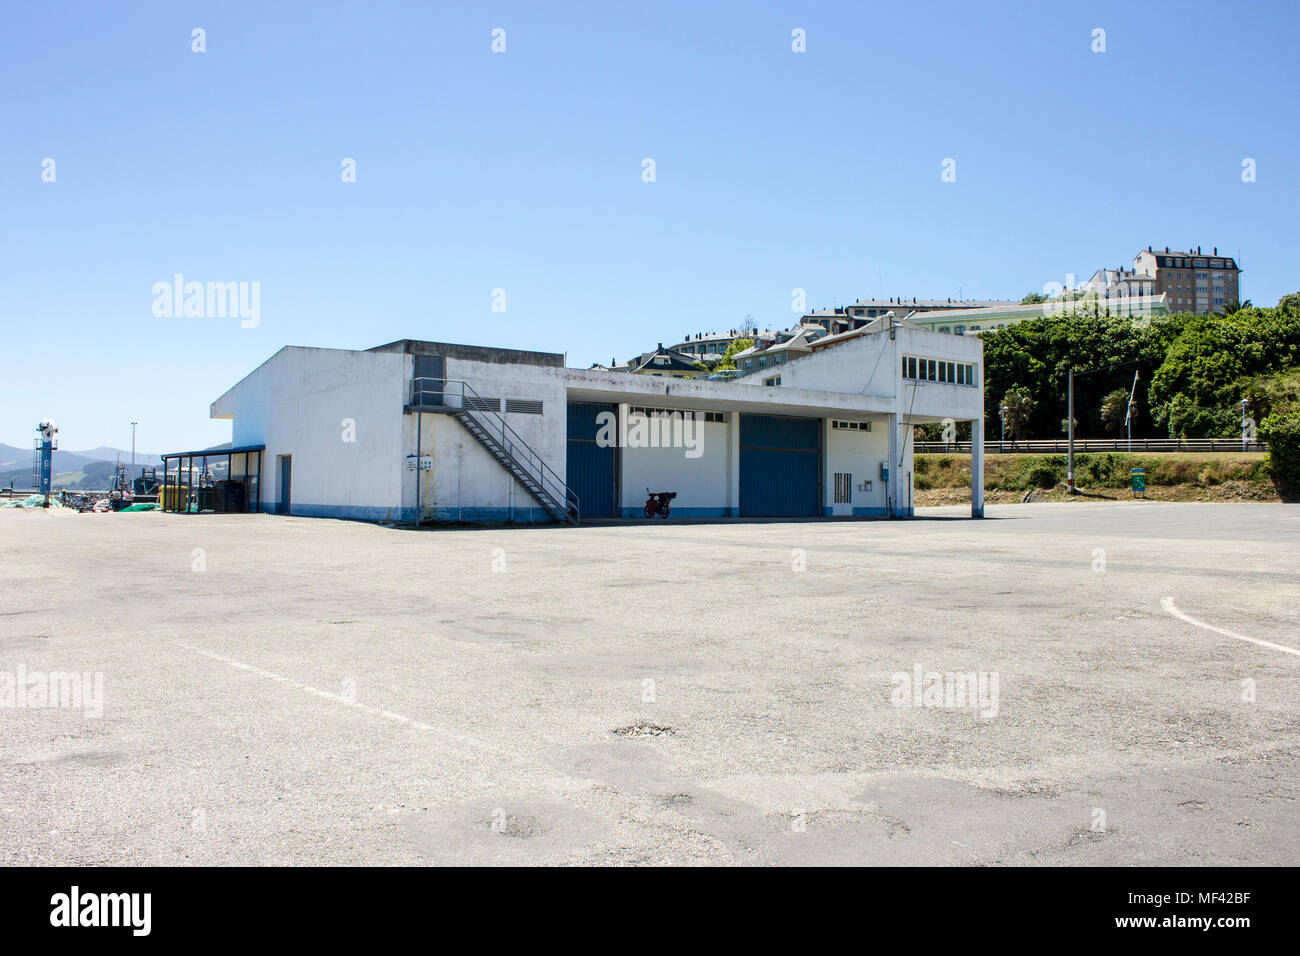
(456,396)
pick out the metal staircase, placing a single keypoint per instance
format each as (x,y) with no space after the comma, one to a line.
(503,443)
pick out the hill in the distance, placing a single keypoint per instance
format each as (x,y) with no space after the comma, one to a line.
(16,463)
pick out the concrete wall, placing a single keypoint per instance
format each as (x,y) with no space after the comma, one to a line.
(934,401)
(863,365)
(307,403)
(860,454)
(703,484)
(466,483)
(871,364)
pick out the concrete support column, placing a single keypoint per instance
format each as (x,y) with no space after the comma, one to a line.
(977,467)
(625,498)
(828,476)
(733,464)
(892,501)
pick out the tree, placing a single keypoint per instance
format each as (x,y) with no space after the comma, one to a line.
(1289,303)
(1019,405)
(1033,298)
(1114,409)
(1038,353)
(1195,391)
(738,344)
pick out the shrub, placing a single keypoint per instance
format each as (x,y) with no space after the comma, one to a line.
(1281,432)
(1044,476)
(1172,471)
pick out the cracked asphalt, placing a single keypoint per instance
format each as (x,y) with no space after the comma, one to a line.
(298,691)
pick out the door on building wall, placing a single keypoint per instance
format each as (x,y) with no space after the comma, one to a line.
(284,464)
(780,466)
(591,470)
(429,379)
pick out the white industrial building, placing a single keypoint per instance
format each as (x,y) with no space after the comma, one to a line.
(418,431)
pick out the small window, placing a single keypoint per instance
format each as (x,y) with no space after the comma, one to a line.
(774,380)
(933,374)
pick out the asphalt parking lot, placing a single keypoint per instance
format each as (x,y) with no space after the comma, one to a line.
(282,691)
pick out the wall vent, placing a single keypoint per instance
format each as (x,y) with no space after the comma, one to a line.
(523,406)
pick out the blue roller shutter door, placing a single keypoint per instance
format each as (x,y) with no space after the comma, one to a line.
(591,470)
(780,466)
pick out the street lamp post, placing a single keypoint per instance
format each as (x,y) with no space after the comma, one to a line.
(1069,426)
(1128,413)
(1243,424)
(1002,414)
(133,424)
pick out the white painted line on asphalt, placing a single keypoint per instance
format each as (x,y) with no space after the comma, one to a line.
(338,699)
(1168,604)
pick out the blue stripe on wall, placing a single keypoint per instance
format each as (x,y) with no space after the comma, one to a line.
(407,515)
(682,513)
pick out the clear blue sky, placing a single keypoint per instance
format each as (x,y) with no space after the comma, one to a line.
(522,171)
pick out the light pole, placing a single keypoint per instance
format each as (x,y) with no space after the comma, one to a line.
(1243,424)
(1128,412)
(133,424)
(1002,414)
(1069,425)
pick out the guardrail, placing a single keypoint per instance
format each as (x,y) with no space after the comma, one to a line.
(1052,446)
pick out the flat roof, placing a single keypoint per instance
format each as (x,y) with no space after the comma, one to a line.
(588,385)
(214,452)
(473,353)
